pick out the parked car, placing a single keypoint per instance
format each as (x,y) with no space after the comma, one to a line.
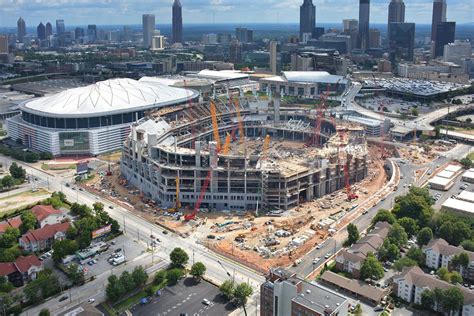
(63,298)
(91,300)
(206,301)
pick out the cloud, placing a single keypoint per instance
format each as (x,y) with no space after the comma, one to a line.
(81,12)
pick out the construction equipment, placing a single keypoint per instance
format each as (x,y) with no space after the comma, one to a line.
(178,202)
(265,146)
(192,216)
(215,127)
(225,149)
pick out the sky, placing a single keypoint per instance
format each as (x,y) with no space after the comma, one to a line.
(122,12)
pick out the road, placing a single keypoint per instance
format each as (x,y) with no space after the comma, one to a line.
(219,268)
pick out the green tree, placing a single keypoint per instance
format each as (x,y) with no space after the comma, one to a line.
(384,216)
(5,285)
(397,235)
(98,206)
(241,293)
(353,234)
(414,112)
(389,251)
(468,245)
(8,182)
(461,260)
(466,162)
(424,236)
(17,172)
(63,248)
(114,289)
(409,224)
(443,274)
(44,312)
(160,276)
(28,221)
(371,268)
(6,301)
(427,299)
(437,131)
(127,281)
(227,289)
(404,262)
(179,257)
(416,204)
(198,270)
(9,237)
(452,299)
(174,275)
(139,276)
(455,277)
(75,274)
(45,285)
(416,254)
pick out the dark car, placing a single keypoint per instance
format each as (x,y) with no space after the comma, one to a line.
(63,298)
(239,239)
(165,232)
(211,237)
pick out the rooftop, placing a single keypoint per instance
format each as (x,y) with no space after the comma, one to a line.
(43,211)
(319,299)
(48,87)
(459,205)
(108,97)
(466,196)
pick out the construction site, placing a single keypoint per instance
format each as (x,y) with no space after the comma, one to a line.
(248,177)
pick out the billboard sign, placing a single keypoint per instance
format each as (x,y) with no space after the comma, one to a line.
(101,231)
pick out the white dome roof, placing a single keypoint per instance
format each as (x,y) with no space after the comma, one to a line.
(108,97)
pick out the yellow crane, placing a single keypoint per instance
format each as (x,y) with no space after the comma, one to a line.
(215,127)
(266,144)
(178,202)
(225,149)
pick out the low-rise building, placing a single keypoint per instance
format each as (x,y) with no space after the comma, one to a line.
(47,215)
(468,176)
(44,237)
(439,254)
(350,260)
(285,294)
(459,207)
(13,222)
(412,281)
(22,270)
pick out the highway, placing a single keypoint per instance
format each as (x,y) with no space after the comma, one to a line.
(219,268)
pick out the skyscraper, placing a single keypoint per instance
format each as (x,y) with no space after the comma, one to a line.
(439,15)
(445,32)
(273,56)
(402,41)
(177,22)
(307,20)
(21,28)
(244,35)
(364,17)
(92,32)
(78,32)
(350,25)
(148,28)
(374,38)
(41,31)
(396,13)
(60,28)
(49,29)
(3,44)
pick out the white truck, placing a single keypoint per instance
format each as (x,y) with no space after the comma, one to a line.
(119,260)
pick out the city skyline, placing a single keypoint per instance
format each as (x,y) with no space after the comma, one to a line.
(208,11)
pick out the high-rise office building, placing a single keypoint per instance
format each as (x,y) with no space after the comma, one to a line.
(157,41)
(396,13)
(92,32)
(177,22)
(235,52)
(148,21)
(307,20)
(374,38)
(78,32)
(402,41)
(273,56)
(21,29)
(60,28)
(3,44)
(445,32)
(439,15)
(244,35)
(364,18)
(49,29)
(457,51)
(41,31)
(350,25)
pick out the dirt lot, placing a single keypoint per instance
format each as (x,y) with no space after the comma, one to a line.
(20,200)
(422,153)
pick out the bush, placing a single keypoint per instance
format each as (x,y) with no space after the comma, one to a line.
(174,275)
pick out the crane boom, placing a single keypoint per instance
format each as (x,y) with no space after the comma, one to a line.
(225,149)
(265,146)
(178,202)
(214,124)
(239,120)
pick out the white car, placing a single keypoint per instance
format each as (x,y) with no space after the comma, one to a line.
(316,260)
(91,300)
(206,301)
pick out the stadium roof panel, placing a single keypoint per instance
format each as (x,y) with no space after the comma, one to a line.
(108,97)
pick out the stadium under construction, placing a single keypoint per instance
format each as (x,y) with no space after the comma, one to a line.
(246,153)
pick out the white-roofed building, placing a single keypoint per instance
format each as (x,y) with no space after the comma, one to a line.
(446,174)
(468,176)
(308,84)
(453,168)
(466,196)
(460,207)
(440,183)
(90,120)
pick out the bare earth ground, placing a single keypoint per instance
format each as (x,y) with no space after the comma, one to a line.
(20,200)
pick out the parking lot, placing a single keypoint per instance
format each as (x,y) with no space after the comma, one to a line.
(186,297)
(442,196)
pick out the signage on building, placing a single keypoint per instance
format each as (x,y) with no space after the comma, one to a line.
(101,231)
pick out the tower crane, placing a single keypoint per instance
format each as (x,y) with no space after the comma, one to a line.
(215,127)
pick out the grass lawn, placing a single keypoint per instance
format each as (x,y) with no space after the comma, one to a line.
(471,156)
(55,166)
